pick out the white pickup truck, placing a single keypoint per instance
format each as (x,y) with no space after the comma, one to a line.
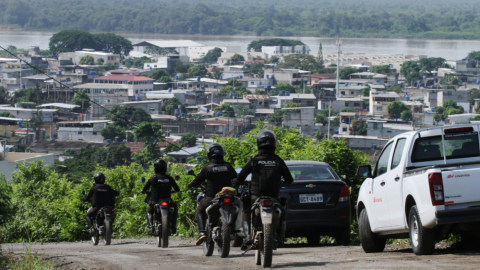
(425,184)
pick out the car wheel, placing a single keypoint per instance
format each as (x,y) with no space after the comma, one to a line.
(313,240)
(421,239)
(371,242)
(343,237)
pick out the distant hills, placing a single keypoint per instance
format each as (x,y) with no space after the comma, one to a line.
(347,18)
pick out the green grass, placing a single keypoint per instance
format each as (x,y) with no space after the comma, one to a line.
(27,260)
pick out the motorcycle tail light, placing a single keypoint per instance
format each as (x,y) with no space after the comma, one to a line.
(108,211)
(267,203)
(226,201)
(164,204)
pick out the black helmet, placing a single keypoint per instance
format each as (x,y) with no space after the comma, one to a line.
(215,151)
(99,178)
(266,138)
(160,166)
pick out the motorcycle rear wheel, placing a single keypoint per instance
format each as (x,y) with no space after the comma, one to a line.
(224,239)
(165,232)
(267,248)
(107,238)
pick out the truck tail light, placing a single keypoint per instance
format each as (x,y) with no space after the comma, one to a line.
(344,194)
(435,182)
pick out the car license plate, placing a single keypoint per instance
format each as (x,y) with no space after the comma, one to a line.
(311,198)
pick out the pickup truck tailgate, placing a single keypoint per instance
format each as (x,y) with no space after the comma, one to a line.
(461,185)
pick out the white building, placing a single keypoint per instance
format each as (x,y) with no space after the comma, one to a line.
(285,50)
(380,100)
(108,58)
(87,131)
(197,52)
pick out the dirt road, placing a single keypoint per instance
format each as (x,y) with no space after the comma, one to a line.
(182,254)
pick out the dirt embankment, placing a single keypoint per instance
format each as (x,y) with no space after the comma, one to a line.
(183,254)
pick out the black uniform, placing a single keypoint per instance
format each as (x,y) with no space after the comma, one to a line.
(161,185)
(267,170)
(101,195)
(218,174)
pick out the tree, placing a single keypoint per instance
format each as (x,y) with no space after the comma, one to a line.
(180,67)
(100,61)
(359,127)
(256,45)
(188,140)
(395,109)
(345,72)
(244,111)
(72,40)
(254,69)
(408,67)
(112,131)
(366,91)
(137,62)
(236,59)
(75,169)
(474,94)
(3,95)
(128,116)
(396,89)
(197,70)
(17,12)
(11,48)
(406,116)
(474,55)
(151,133)
(87,60)
(7,114)
(301,61)
(112,43)
(157,74)
(118,155)
(170,105)
(382,69)
(225,110)
(217,74)
(81,99)
(212,55)
(159,50)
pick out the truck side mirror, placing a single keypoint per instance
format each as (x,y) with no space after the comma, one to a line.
(177,177)
(364,171)
(142,179)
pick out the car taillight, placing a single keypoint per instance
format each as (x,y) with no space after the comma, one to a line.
(344,194)
(267,203)
(226,201)
(164,204)
(435,182)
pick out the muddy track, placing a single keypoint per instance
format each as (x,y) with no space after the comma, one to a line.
(183,254)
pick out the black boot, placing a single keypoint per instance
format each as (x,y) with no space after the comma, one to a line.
(90,226)
(174,221)
(150,223)
(201,228)
(248,238)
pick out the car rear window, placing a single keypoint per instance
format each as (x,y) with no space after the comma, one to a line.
(312,172)
(457,145)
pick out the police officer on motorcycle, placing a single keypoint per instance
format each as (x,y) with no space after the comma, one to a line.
(161,188)
(218,174)
(101,195)
(267,171)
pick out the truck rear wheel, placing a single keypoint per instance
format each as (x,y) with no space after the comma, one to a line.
(371,242)
(422,239)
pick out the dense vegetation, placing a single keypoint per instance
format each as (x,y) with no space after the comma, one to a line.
(42,205)
(375,18)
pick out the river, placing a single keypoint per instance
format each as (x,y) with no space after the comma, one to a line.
(448,49)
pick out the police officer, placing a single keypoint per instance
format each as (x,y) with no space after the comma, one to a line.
(101,195)
(161,185)
(218,174)
(267,170)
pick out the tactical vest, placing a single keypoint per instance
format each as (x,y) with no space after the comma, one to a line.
(266,175)
(218,176)
(103,195)
(161,187)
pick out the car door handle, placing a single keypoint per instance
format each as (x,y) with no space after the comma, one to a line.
(397,178)
(382,183)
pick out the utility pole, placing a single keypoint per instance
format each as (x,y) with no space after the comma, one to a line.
(339,43)
(320,54)
(329,111)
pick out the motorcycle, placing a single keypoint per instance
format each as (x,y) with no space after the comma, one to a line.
(163,218)
(220,223)
(265,219)
(102,223)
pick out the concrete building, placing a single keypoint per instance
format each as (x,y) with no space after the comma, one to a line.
(258,101)
(186,155)
(383,129)
(304,100)
(248,56)
(108,58)
(166,63)
(196,53)
(48,115)
(351,91)
(379,101)
(346,119)
(352,103)
(57,148)
(366,144)
(302,118)
(87,131)
(181,46)
(9,160)
(149,106)
(254,84)
(467,71)
(461,97)
(292,77)
(12,77)
(235,71)
(285,50)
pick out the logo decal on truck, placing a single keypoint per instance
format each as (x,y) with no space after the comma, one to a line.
(457,176)
(377,199)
